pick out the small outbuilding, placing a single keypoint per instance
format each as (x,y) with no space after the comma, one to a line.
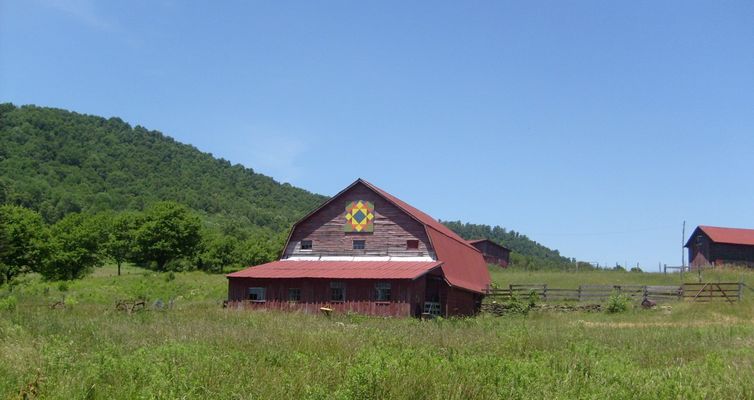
(368,252)
(711,245)
(493,252)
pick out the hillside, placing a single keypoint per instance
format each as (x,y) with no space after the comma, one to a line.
(525,250)
(57,162)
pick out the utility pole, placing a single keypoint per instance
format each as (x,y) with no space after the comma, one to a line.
(683,241)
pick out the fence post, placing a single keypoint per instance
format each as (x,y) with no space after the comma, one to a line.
(740,289)
(646,293)
(579,292)
(544,293)
(510,292)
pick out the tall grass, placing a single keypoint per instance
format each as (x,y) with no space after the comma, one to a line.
(199,350)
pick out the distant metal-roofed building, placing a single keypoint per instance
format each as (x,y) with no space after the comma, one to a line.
(712,245)
(494,253)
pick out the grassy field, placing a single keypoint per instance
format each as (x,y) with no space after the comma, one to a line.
(199,350)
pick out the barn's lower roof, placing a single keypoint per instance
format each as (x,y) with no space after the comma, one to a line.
(339,269)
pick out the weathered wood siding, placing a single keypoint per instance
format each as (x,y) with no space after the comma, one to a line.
(699,245)
(361,295)
(392,228)
(723,253)
(461,302)
(493,254)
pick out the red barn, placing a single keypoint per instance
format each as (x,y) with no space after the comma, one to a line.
(493,253)
(368,252)
(711,245)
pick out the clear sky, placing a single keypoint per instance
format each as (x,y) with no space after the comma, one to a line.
(593,127)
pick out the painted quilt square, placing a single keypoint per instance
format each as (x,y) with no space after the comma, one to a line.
(359,216)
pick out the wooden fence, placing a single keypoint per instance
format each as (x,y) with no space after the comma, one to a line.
(712,291)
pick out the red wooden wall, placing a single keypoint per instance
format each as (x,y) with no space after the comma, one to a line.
(405,295)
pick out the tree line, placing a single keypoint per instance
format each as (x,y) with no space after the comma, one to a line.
(165,236)
(525,252)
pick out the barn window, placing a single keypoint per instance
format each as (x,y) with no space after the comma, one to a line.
(383,291)
(306,245)
(294,294)
(412,244)
(359,244)
(337,291)
(257,294)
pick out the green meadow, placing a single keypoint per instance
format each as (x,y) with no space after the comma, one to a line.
(197,349)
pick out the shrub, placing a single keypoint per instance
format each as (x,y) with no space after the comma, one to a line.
(170,276)
(8,303)
(63,287)
(533,298)
(617,303)
(70,301)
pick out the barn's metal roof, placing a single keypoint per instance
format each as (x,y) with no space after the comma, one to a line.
(726,235)
(463,264)
(339,269)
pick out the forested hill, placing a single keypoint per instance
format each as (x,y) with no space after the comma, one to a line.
(58,162)
(520,244)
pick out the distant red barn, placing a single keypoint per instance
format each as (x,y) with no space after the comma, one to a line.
(493,253)
(366,251)
(711,245)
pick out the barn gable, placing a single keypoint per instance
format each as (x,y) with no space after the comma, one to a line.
(328,230)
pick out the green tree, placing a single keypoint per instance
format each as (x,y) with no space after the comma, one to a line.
(169,231)
(217,252)
(74,248)
(22,240)
(260,249)
(119,232)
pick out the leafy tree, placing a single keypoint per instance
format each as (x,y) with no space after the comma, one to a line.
(260,250)
(74,248)
(169,231)
(22,240)
(218,251)
(119,232)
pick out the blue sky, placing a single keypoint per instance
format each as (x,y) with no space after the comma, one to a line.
(593,127)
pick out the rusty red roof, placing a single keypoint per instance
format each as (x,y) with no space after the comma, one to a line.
(462,267)
(339,269)
(417,214)
(727,235)
(463,264)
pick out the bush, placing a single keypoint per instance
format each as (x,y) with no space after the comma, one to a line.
(533,298)
(63,287)
(617,303)
(70,301)
(8,304)
(178,265)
